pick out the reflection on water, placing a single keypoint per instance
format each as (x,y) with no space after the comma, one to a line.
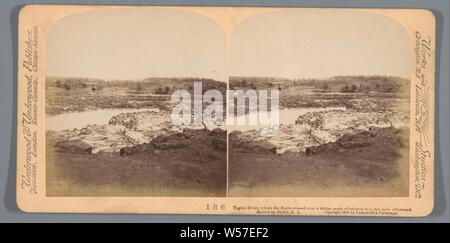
(287,116)
(78,120)
(69,121)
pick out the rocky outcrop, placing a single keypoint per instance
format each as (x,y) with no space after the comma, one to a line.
(128,120)
(323,127)
(123,130)
(250,145)
(188,139)
(75,146)
(313,119)
(356,140)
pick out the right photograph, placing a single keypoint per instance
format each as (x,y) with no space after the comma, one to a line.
(342,79)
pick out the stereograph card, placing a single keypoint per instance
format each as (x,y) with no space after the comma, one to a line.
(226,110)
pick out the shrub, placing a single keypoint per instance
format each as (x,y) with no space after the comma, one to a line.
(136,87)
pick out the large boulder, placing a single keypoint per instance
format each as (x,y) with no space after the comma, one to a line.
(75,146)
(355,140)
(217,132)
(249,145)
(128,120)
(314,119)
(127,151)
(173,141)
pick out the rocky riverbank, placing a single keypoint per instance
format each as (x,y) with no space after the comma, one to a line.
(130,157)
(352,152)
(318,128)
(122,130)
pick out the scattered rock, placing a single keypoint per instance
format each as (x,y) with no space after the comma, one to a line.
(354,140)
(180,140)
(247,145)
(218,132)
(75,146)
(314,119)
(128,150)
(189,132)
(128,120)
(312,150)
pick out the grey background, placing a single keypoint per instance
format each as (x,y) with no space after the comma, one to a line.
(8,72)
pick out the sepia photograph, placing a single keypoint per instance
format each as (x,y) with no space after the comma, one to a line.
(226,110)
(110,76)
(344,105)
(342,98)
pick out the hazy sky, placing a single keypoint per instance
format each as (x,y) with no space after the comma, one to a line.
(135,44)
(319,44)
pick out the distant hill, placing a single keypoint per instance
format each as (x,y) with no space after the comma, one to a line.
(364,84)
(335,84)
(149,85)
(258,82)
(346,84)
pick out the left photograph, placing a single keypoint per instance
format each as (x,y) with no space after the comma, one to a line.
(111,76)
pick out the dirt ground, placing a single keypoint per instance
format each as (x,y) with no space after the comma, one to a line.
(365,164)
(192,163)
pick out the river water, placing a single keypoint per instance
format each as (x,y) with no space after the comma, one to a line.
(69,121)
(78,120)
(286,117)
